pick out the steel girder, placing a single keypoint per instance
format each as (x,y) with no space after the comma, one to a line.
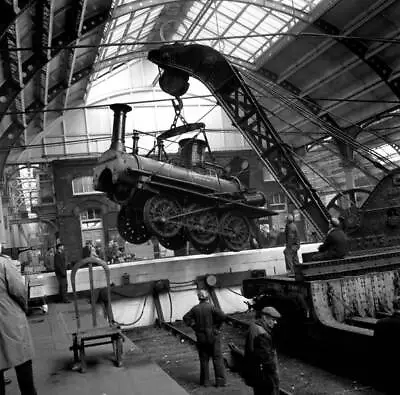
(8,139)
(381,68)
(345,151)
(75,23)
(11,88)
(42,39)
(234,96)
(271,4)
(314,107)
(9,13)
(13,71)
(35,63)
(57,89)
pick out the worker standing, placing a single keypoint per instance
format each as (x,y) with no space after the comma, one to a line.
(206,320)
(260,357)
(292,244)
(60,269)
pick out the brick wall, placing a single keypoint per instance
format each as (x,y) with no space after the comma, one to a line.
(69,206)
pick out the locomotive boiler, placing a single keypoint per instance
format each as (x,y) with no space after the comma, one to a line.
(191,200)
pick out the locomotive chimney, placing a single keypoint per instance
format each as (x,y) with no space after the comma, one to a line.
(118,133)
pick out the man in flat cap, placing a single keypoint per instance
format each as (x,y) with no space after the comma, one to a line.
(261,360)
(387,350)
(206,320)
(335,245)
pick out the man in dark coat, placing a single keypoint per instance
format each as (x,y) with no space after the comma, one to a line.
(387,350)
(60,269)
(206,320)
(16,346)
(292,241)
(335,245)
(260,357)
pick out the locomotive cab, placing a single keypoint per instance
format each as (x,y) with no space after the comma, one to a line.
(192,152)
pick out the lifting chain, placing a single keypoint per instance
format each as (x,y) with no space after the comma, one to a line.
(178,106)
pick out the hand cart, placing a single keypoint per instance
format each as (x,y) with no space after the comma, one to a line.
(96,335)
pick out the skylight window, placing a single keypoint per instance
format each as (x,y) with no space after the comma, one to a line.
(224,20)
(238,29)
(389,152)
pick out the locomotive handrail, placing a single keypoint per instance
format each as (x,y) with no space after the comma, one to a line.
(233,95)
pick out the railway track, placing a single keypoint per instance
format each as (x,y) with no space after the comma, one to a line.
(171,347)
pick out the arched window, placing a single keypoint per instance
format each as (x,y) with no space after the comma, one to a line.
(83,185)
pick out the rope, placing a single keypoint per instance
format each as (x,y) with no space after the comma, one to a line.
(137,320)
(170,307)
(237,293)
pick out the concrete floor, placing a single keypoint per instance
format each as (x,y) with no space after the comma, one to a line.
(53,361)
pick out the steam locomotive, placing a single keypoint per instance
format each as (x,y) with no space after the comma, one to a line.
(189,201)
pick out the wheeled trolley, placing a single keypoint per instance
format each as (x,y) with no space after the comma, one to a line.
(96,335)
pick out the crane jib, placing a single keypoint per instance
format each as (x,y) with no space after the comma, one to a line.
(224,81)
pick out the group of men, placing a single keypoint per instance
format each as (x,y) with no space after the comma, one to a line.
(335,245)
(260,357)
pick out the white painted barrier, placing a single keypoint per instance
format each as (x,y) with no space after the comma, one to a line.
(178,270)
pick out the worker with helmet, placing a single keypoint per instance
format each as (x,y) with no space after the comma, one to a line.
(260,356)
(206,320)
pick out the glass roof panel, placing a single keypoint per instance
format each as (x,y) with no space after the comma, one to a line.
(220,20)
(122,19)
(238,52)
(117,34)
(136,23)
(226,19)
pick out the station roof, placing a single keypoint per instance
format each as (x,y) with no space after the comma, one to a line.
(327,72)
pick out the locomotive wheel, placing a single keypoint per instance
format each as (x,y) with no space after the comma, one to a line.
(206,249)
(156,213)
(173,243)
(202,227)
(234,230)
(131,227)
(347,205)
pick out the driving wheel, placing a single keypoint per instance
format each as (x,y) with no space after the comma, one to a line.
(206,248)
(131,227)
(161,216)
(201,225)
(173,243)
(234,231)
